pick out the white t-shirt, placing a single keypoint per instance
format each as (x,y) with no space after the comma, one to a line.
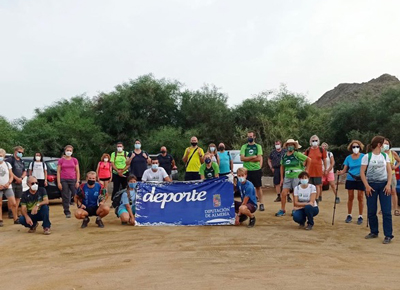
(38,170)
(5,168)
(150,175)
(376,171)
(304,194)
(328,161)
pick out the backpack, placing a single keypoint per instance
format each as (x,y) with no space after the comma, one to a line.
(115,155)
(308,151)
(116,200)
(370,156)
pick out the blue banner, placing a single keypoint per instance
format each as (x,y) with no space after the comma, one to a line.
(208,202)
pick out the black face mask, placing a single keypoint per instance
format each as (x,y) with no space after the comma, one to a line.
(250,140)
(221,148)
(163,151)
(208,161)
(194,144)
(91,182)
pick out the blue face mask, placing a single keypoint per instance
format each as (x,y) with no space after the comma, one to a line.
(137,146)
(1,159)
(132,185)
(212,149)
(304,181)
(242,179)
(154,166)
(19,155)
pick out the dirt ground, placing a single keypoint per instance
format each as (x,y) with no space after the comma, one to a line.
(275,254)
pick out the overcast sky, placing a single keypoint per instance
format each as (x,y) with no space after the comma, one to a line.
(52,50)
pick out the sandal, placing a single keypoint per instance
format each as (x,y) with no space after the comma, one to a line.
(397,212)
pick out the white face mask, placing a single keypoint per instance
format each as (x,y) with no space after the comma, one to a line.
(37,158)
(356,150)
(68,153)
(34,187)
(138,146)
(277,147)
(105,159)
(315,144)
(385,147)
(119,149)
(1,159)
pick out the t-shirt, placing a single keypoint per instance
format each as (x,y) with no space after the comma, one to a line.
(150,175)
(315,169)
(90,195)
(128,200)
(354,166)
(5,173)
(328,161)
(247,189)
(209,172)
(18,166)
(304,194)
(119,160)
(166,162)
(138,163)
(194,164)
(293,164)
(376,171)
(68,168)
(30,200)
(38,168)
(251,150)
(276,157)
(104,169)
(224,162)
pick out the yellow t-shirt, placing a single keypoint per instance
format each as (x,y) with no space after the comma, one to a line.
(194,164)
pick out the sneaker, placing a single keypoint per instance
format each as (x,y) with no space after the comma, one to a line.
(85,222)
(33,229)
(289,199)
(46,231)
(308,227)
(280,213)
(337,200)
(320,198)
(124,223)
(372,236)
(16,222)
(301,226)
(68,215)
(1,223)
(387,240)
(10,215)
(278,199)
(349,219)
(242,218)
(262,207)
(360,220)
(99,222)
(252,222)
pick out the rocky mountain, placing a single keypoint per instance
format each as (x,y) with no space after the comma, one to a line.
(346,92)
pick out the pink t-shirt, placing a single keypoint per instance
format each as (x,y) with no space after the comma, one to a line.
(68,168)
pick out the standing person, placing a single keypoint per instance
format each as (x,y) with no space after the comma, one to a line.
(251,154)
(352,166)
(138,160)
(225,160)
(193,158)
(155,173)
(274,163)
(212,150)
(104,171)
(19,172)
(38,169)
(6,178)
(68,176)
(395,163)
(292,164)
(318,156)
(209,169)
(119,163)
(330,177)
(127,207)
(376,174)
(248,205)
(166,161)
(305,205)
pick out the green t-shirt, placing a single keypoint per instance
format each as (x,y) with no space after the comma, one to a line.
(120,160)
(209,172)
(293,164)
(248,151)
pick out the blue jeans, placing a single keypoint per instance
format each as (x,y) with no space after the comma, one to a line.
(386,207)
(308,212)
(42,215)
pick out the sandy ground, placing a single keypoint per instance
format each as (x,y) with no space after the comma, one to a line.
(275,254)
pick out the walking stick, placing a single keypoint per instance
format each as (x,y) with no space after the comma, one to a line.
(334,204)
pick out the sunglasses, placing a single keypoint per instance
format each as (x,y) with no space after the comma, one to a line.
(355,147)
(20,152)
(34,183)
(314,141)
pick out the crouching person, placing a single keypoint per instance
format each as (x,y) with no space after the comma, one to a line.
(127,208)
(90,200)
(34,207)
(305,204)
(246,208)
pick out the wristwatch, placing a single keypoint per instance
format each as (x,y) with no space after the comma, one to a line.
(38,205)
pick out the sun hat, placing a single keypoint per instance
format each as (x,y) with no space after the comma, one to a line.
(296,143)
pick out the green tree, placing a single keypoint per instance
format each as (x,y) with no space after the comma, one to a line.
(9,135)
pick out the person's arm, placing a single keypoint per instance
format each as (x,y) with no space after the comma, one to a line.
(201,155)
(24,212)
(165,175)
(282,174)
(23,174)
(249,159)
(345,168)
(201,172)
(388,190)
(332,164)
(78,174)
(245,200)
(230,163)
(97,171)
(78,200)
(58,177)
(368,188)
(111,175)
(216,170)
(397,158)
(112,162)
(307,164)
(30,168)
(173,164)
(269,161)
(45,175)
(186,155)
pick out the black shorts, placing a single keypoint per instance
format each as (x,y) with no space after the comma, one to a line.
(252,207)
(92,210)
(255,177)
(192,176)
(354,185)
(17,188)
(315,180)
(277,175)
(105,179)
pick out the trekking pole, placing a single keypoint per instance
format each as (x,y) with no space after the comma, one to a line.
(334,204)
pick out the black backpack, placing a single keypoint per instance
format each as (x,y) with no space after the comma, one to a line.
(116,200)
(320,150)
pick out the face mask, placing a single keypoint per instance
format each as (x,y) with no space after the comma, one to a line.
(19,155)
(277,147)
(132,185)
(242,179)
(105,159)
(68,153)
(194,144)
(154,166)
(163,151)
(212,149)
(91,182)
(208,161)
(221,148)
(137,146)
(119,149)
(1,159)
(290,148)
(34,187)
(37,158)
(356,150)
(315,144)
(385,147)
(304,181)
(250,139)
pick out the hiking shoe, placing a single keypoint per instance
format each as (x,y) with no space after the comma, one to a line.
(242,218)
(46,231)
(68,215)
(16,222)
(1,223)
(33,229)
(360,220)
(301,226)
(372,236)
(10,215)
(252,222)
(289,199)
(320,198)
(349,219)
(85,222)
(99,222)
(337,200)
(308,227)
(387,240)
(278,199)
(124,223)
(262,207)
(280,213)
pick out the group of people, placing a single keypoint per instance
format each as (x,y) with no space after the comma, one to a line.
(300,173)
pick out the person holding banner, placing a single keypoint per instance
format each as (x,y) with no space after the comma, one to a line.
(193,158)
(246,208)
(209,169)
(225,160)
(127,207)
(155,173)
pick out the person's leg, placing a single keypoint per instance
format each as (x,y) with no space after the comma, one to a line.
(72,189)
(124,182)
(124,217)
(12,205)
(80,214)
(299,216)
(310,212)
(386,207)
(333,186)
(17,188)
(22,221)
(102,211)
(285,192)
(372,206)
(244,210)
(1,207)
(44,215)
(65,196)
(360,197)
(116,184)
(350,201)
(259,194)
(395,205)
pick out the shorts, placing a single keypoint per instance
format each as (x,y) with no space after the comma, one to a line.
(224,174)
(354,185)
(92,210)
(105,179)
(122,209)
(394,181)
(192,175)
(277,175)
(254,177)
(17,188)
(41,182)
(316,180)
(290,183)
(329,177)
(7,193)
(252,207)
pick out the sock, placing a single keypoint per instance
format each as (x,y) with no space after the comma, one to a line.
(360,216)
(350,215)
